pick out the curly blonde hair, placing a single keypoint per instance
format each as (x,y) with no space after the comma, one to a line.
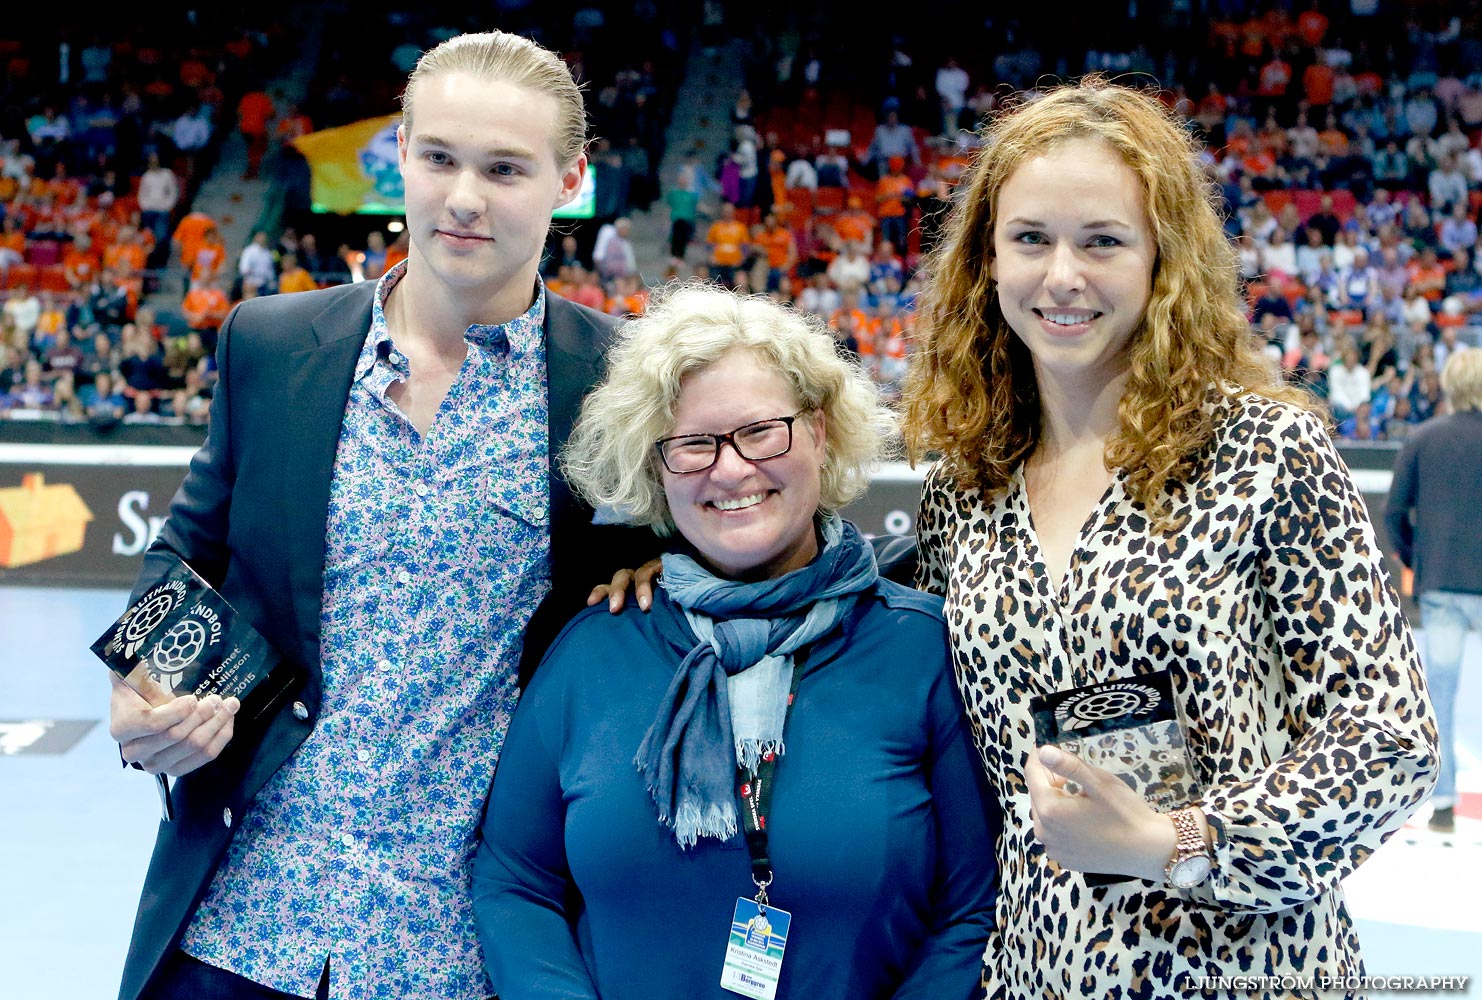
(610,459)
(971,392)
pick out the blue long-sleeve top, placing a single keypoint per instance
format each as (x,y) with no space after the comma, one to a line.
(882,833)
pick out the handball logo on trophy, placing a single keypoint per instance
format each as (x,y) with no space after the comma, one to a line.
(182,637)
(178,649)
(147,616)
(1108,701)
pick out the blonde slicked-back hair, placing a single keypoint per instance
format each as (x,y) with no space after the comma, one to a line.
(971,393)
(501,56)
(610,459)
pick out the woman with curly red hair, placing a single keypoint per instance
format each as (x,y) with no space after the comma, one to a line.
(1125,488)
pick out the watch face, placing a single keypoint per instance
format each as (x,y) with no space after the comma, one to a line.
(1190,872)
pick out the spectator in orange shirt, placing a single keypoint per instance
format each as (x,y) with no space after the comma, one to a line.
(892,348)
(1224,38)
(209,258)
(205,308)
(1317,84)
(126,254)
(1312,25)
(50,321)
(1276,76)
(80,261)
(1427,275)
(587,291)
(397,251)
(1278,26)
(1332,140)
(855,329)
(727,240)
(189,234)
(13,235)
(254,111)
(293,277)
(1253,38)
(63,189)
(630,297)
(891,193)
(781,249)
(194,73)
(855,225)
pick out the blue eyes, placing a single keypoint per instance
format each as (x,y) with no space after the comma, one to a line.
(437,158)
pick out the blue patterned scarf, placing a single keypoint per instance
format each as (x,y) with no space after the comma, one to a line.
(728,700)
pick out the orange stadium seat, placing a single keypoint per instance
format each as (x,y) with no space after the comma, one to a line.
(54,278)
(801,200)
(21,274)
(829,199)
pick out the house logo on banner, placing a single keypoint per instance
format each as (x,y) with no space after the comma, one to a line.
(39,521)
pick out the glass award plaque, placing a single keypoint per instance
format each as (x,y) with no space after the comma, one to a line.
(1129,727)
(182,637)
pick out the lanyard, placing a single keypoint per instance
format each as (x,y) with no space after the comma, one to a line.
(755,791)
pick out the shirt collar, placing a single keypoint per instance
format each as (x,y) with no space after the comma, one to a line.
(521,335)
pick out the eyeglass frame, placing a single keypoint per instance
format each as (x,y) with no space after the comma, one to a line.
(729,438)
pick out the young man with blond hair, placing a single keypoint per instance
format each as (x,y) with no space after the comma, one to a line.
(377,497)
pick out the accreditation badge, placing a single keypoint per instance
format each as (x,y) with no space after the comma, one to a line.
(754,951)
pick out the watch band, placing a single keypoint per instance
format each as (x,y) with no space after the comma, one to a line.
(1190,843)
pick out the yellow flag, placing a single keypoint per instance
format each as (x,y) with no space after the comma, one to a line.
(354,167)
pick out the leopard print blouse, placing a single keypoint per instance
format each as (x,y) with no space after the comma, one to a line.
(1295,674)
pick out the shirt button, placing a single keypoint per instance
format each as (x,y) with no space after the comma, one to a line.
(348,839)
(394,358)
(226,817)
(300,711)
(384,665)
(363,755)
(421,489)
(403,578)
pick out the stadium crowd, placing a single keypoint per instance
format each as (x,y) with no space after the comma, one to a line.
(1347,150)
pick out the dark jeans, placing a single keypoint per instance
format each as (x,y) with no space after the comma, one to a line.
(186,978)
(681,231)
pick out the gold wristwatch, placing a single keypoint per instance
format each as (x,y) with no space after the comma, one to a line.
(1191,863)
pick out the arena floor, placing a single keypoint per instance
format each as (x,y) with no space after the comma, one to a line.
(76,830)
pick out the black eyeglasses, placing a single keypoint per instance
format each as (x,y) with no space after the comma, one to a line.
(755,442)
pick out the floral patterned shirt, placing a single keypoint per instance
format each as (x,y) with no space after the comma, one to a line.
(437,551)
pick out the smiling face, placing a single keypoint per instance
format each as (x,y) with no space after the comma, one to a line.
(482,179)
(748,520)
(1073,259)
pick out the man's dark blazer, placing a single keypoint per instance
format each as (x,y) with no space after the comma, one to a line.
(250,518)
